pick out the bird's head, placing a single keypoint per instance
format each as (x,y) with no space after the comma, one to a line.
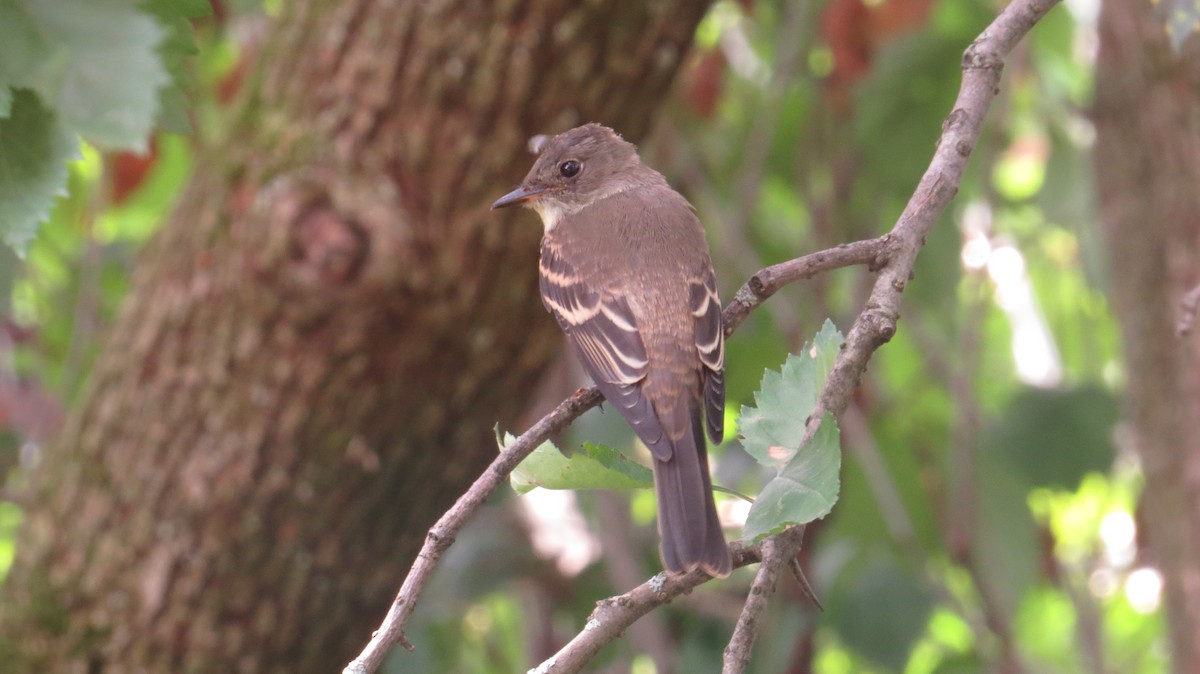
(573,169)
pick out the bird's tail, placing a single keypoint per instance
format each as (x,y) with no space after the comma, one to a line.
(688,527)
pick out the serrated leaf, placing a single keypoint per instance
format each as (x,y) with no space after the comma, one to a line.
(804,490)
(596,467)
(95,62)
(772,431)
(24,50)
(176,49)
(34,151)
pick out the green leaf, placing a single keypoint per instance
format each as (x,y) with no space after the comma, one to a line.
(187,9)
(10,519)
(24,49)
(11,268)
(1004,537)
(95,62)
(773,431)
(6,97)
(804,490)
(597,467)
(1056,437)
(879,608)
(961,663)
(34,151)
(178,47)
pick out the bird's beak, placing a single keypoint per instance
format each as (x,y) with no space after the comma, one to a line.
(517,196)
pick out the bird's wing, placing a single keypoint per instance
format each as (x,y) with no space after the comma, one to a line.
(604,332)
(710,345)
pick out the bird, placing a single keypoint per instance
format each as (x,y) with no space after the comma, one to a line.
(626,271)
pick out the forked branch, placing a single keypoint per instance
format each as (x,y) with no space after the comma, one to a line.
(761,286)
(892,255)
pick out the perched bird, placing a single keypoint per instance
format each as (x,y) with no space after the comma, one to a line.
(625,269)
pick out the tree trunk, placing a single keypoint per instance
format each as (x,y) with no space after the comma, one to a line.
(1147,153)
(315,349)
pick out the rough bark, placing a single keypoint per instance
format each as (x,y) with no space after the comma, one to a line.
(1147,153)
(315,348)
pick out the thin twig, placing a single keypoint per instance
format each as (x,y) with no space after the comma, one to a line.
(806,588)
(982,65)
(768,281)
(777,552)
(614,615)
(443,533)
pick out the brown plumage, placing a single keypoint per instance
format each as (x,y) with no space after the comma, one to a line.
(625,269)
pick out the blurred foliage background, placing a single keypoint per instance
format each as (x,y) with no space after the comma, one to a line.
(987,518)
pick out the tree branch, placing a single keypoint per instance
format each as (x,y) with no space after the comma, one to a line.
(768,281)
(777,554)
(624,565)
(614,615)
(443,533)
(751,295)
(893,255)
(982,65)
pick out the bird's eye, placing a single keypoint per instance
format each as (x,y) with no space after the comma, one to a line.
(570,168)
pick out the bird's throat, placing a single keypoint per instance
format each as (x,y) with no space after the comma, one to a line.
(550,211)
